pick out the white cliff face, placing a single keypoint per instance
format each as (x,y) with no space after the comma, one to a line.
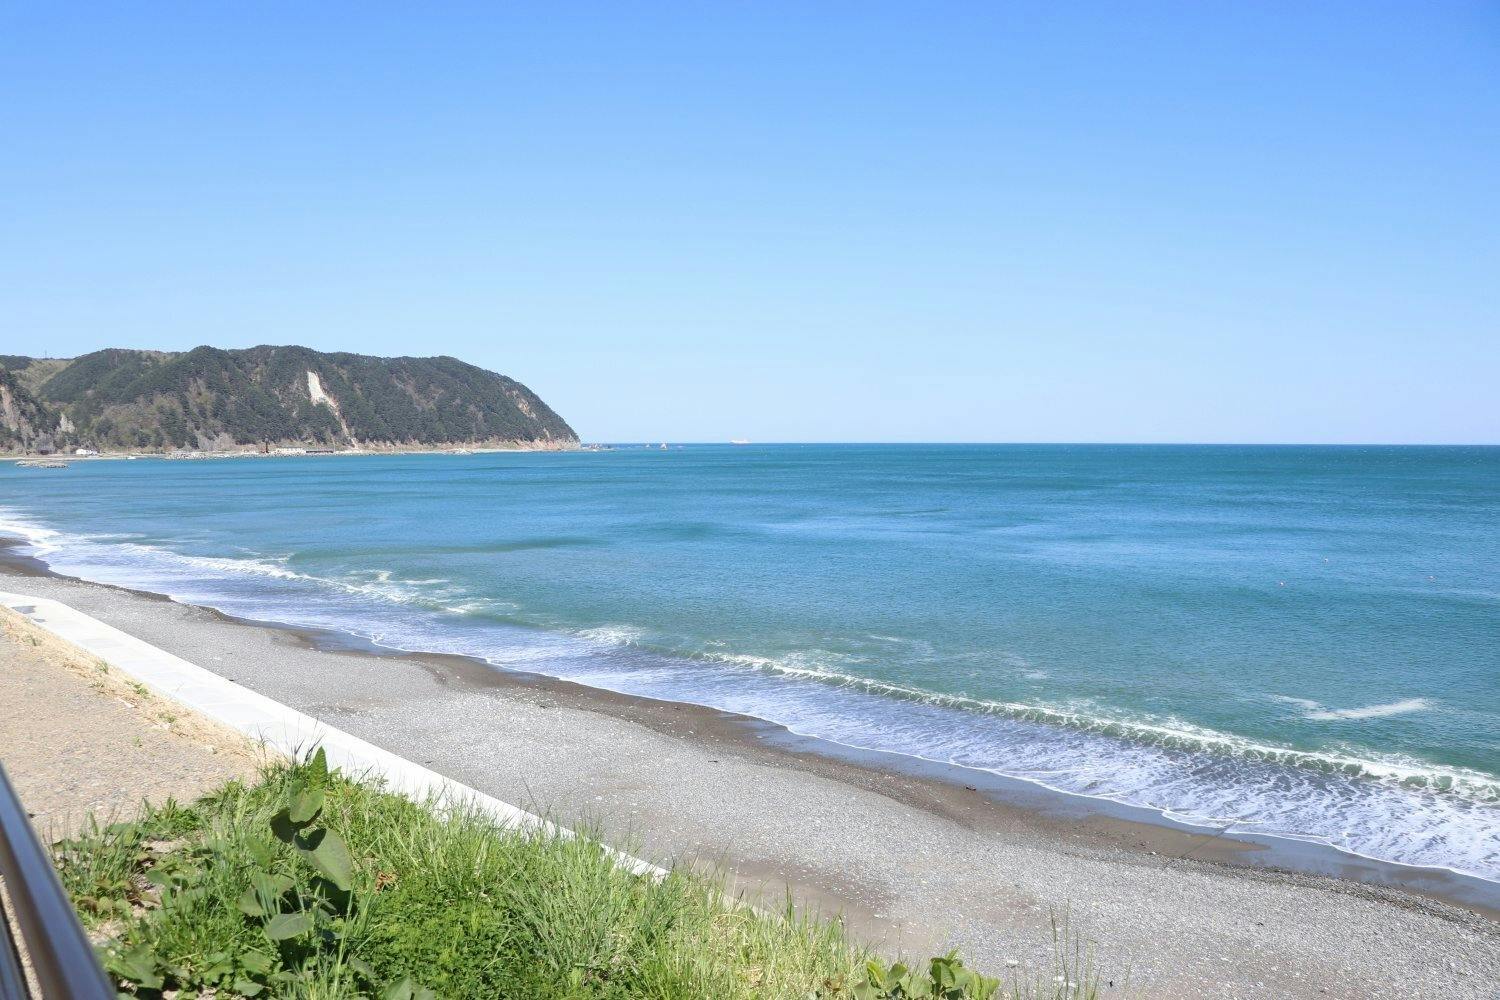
(315,390)
(64,425)
(320,395)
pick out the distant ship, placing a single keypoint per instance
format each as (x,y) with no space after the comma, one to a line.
(739,440)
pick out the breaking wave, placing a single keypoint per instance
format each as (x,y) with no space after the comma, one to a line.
(1386,807)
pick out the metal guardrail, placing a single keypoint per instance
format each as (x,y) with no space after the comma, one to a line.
(61,958)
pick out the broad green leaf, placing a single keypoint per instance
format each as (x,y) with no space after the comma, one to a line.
(250,905)
(216,964)
(288,925)
(405,989)
(402,989)
(326,852)
(139,966)
(944,975)
(306,804)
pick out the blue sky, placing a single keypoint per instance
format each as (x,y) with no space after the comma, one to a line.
(825,221)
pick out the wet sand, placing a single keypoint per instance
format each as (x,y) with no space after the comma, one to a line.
(914,857)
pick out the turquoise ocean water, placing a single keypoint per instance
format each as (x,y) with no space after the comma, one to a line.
(1301,642)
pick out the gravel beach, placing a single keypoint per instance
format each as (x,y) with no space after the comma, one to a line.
(911,864)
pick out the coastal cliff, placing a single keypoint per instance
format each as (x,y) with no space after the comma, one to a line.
(209,399)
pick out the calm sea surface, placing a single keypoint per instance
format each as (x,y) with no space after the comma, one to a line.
(1299,641)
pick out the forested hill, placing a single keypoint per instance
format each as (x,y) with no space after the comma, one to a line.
(213,400)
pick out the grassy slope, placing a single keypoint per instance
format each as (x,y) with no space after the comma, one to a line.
(32,372)
(450,902)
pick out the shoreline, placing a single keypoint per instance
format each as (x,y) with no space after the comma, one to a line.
(982,799)
(305,451)
(861,834)
(979,798)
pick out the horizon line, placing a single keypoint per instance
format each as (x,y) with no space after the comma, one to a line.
(656,442)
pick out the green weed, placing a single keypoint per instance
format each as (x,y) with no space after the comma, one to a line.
(307,884)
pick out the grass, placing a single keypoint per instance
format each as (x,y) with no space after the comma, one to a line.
(308,884)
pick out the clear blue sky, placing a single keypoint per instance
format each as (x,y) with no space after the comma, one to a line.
(820,221)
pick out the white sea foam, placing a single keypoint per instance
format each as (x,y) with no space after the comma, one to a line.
(482,605)
(1170,733)
(1320,713)
(38,538)
(1374,711)
(613,635)
(122,562)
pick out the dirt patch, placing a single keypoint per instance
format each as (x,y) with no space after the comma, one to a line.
(77,737)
